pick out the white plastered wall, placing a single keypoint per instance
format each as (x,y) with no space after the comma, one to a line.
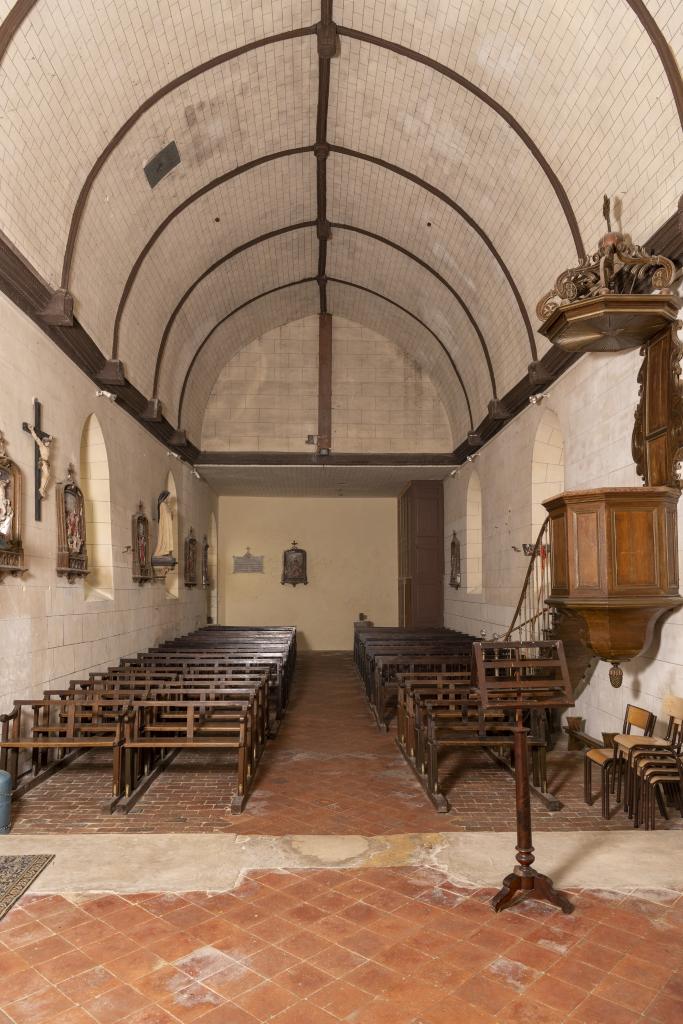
(49,632)
(593,403)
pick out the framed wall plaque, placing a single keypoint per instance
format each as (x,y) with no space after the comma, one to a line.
(11,550)
(294,566)
(142,555)
(72,554)
(191,559)
(247,562)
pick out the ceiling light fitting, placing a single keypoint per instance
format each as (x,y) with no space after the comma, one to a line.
(105,394)
(537,399)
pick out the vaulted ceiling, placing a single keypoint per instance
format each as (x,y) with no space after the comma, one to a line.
(430,179)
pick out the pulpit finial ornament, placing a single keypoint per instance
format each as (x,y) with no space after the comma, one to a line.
(606,303)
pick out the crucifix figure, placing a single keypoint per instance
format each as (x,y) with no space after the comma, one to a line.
(42,442)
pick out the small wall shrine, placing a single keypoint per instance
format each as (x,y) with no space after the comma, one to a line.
(142,554)
(294,566)
(191,559)
(11,551)
(72,554)
(163,559)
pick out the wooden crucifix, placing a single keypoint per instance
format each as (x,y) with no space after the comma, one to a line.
(42,442)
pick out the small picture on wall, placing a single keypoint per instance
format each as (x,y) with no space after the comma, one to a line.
(294,566)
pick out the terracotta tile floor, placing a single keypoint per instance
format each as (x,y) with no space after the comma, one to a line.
(374,946)
(328,771)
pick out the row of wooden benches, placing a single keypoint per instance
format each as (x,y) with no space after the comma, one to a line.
(218,688)
(428,677)
(382,653)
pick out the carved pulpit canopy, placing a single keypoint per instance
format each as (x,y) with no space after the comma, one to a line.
(606,303)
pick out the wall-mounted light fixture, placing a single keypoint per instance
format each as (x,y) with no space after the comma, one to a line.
(105,394)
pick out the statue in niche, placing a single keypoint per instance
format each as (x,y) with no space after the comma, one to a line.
(163,556)
(72,556)
(294,566)
(11,551)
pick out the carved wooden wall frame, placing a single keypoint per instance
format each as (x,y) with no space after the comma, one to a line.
(142,566)
(11,549)
(190,566)
(72,564)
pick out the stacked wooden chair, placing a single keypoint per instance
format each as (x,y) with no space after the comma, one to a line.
(647,769)
(609,761)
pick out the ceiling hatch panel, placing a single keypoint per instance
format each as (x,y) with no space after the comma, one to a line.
(74,73)
(259,104)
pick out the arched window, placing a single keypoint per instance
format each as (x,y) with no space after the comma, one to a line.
(474,537)
(94,482)
(171,580)
(213,569)
(547,467)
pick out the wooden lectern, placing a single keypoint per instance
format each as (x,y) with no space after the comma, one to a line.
(525,677)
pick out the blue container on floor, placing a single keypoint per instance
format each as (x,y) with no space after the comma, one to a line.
(5,801)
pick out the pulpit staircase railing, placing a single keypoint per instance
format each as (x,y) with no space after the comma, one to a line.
(533,618)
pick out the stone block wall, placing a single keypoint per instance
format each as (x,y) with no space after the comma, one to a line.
(51,631)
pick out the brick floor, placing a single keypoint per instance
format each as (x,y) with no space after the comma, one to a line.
(328,771)
(373,946)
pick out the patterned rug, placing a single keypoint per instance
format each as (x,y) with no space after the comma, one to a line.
(17,874)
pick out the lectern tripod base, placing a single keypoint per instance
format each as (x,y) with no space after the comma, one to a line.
(527,884)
